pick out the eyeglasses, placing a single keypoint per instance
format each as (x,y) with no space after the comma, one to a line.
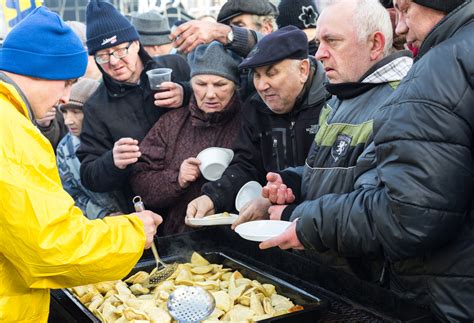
(119,53)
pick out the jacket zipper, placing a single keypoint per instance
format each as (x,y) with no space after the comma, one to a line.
(275,153)
(293,142)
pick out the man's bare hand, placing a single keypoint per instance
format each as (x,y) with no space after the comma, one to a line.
(189,172)
(171,96)
(151,221)
(195,32)
(275,211)
(199,207)
(125,152)
(46,120)
(286,240)
(276,191)
(254,210)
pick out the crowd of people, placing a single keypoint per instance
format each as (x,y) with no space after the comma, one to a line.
(354,115)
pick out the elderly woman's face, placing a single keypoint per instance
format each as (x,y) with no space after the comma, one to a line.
(212,92)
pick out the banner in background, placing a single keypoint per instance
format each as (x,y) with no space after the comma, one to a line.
(15,10)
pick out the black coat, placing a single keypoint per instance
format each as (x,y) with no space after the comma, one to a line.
(425,149)
(420,215)
(269,142)
(114,111)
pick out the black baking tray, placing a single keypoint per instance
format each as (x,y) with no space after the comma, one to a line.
(314,306)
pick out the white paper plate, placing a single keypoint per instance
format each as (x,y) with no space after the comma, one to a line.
(261,230)
(216,219)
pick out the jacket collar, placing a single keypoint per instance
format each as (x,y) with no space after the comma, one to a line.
(447,27)
(17,96)
(389,69)
(120,89)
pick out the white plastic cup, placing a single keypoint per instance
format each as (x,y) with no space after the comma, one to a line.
(248,192)
(214,161)
(158,76)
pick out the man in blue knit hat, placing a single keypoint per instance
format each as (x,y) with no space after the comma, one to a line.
(124,108)
(45,241)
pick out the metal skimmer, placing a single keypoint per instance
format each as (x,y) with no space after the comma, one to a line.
(158,274)
(190,304)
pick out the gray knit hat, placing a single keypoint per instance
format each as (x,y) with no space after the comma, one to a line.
(79,28)
(214,59)
(80,92)
(153,28)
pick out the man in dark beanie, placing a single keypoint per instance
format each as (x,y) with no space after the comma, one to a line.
(45,241)
(424,145)
(279,120)
(124,108)
(301,14)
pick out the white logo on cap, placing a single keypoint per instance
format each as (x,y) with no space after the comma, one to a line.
(111,40)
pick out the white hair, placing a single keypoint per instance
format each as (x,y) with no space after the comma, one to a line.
(369,17)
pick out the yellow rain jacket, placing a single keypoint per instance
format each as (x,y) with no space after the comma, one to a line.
(45,241)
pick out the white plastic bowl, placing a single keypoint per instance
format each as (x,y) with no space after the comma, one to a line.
(214,161)
(250,191)
(261,230)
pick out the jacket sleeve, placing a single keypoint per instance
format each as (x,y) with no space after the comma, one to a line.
(52,245)
(151,178)
(98,171)
(422,195)
(247,165)
(244,40)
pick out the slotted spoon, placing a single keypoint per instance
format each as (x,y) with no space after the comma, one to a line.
(158,274)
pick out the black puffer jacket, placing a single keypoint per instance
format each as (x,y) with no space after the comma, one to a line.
(425,148)
(420,217)
(269,142)
(114,111)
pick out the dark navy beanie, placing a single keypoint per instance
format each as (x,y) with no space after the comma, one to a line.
(286,43)
(441,5)
(43,46)
(106,27)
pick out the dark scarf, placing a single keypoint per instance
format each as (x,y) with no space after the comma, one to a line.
(349,90)
(200,118)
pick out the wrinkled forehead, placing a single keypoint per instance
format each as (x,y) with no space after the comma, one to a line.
(335,20)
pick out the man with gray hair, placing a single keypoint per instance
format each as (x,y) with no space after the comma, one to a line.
(355,38)
(257,15)
(153,30)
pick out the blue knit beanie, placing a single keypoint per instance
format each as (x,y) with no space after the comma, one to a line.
(106,27)
(43,46)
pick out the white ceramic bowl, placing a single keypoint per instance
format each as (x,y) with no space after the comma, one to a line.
(250,191)
(214,161)
(261,230)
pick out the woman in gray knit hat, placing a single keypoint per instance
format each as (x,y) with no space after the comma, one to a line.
(167,175)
